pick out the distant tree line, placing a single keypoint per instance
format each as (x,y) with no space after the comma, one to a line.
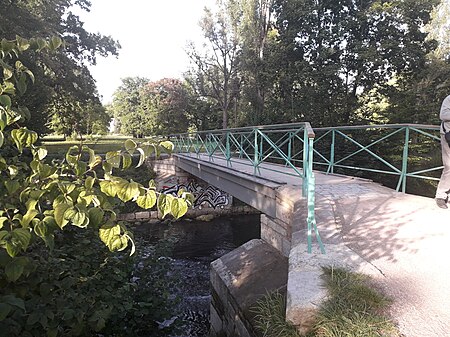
(64,97)
(329,62)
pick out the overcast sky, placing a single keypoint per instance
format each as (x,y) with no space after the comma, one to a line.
(152,33)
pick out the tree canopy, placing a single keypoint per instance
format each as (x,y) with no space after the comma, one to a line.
(318,61)
(142,108)
(62,74)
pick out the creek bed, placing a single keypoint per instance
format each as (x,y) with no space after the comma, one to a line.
(195,245)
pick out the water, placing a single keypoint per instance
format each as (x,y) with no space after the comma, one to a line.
(197,244)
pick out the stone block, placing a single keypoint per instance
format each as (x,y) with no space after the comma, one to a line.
(215,320)
(242,277)
(154,214)
(142,215)
(128,216)
(279,226)
(306,293)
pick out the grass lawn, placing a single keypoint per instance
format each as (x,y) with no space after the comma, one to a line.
(56,145)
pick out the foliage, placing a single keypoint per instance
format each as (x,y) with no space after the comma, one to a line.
(151,108)
(216,72)
(270,318)
(63,74)
(38,198)
(167,102)
(127,107)
(271,67)
(80,289)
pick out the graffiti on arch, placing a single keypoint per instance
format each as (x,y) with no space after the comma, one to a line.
(209,196)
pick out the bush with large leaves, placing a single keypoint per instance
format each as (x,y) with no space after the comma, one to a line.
(39,198)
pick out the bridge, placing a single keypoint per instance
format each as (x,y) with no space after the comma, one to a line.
(319,208)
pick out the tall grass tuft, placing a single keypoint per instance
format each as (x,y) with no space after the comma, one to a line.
(270,318)
(353,309)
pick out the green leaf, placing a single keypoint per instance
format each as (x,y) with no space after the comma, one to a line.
(89,183)
(126,160)
(113,157)
(33,318)
(23,138)
(3,119)
(60,209)
(108,187)
(55,43)
(67,187)
(178,208)
(130,146)
(107,167)
(76,216)
(167,146)
(29,215)
(164,204)
(128,191)
(95,216)
(7,73)
(152,185)
(13,301)
(41,153)
(5,101)
(148,200)
(22,44)
(71,159)
(41,229)
(110,235)
(12,186)
(5,309)
(14,269)
(2,138)
(13,170)
(148,149)
(18,240)
(21,83)
(3,219)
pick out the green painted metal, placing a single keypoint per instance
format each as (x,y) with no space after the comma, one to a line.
(336,136)
(297,147)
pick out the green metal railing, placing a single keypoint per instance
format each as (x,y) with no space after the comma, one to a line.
(402,150)
(384,149)
(282,144)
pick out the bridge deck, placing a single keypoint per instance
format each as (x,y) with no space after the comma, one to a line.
(405,236)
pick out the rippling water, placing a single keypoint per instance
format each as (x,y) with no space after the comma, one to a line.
(197,244)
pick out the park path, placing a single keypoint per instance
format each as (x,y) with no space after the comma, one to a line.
(406,237)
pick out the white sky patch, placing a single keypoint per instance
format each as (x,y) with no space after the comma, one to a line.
(153,35)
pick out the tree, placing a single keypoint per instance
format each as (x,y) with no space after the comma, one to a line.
(217,68)
(128,108)
(167,103)
(341,49)
(255,32)
(63,73)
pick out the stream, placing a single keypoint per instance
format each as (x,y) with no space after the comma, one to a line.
(195,245)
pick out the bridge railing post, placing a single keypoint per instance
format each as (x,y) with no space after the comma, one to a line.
(256,156)
(309,187)
(404,173)
(332,149)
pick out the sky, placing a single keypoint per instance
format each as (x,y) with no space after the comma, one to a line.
(153,35)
